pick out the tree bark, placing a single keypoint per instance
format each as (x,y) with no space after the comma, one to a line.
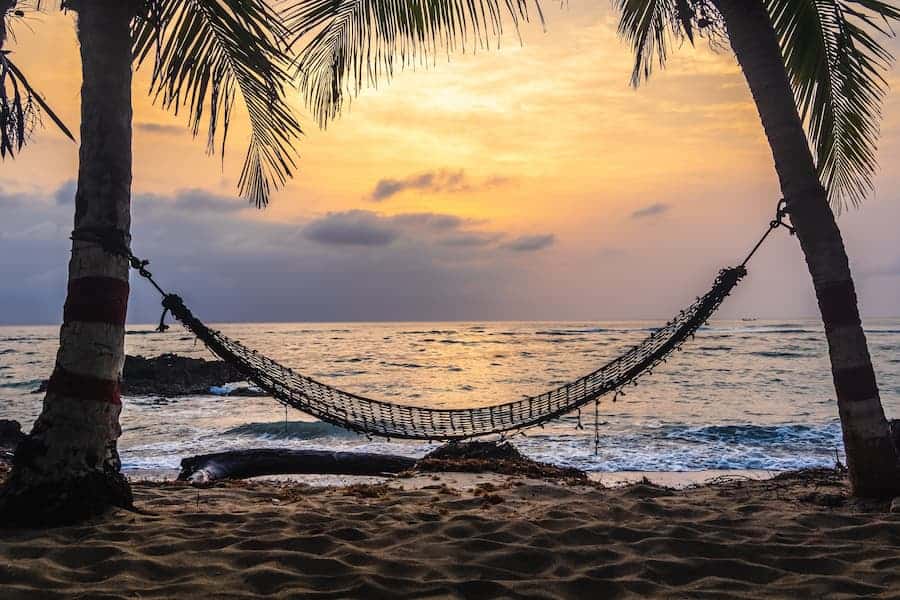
(871,455)
(68,467)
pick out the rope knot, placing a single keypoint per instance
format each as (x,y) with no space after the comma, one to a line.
(172,303)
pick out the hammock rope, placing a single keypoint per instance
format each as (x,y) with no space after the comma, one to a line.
(387,419)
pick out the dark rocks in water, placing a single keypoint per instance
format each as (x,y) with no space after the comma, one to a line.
(172,375)
(503,458)
(246,392)
(10,434)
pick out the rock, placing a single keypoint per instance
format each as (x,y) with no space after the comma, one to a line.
(895,505)
(503,458)
(240,390)
(248,392)
(171,375)
(10,434)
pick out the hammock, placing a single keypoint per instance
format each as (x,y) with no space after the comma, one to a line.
(387,419)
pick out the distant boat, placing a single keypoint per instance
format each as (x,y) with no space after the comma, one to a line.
(748,319)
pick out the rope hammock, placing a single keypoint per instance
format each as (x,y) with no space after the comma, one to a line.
(375,417)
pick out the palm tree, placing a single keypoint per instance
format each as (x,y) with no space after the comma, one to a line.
(206,55)
(812,62)
(818,63)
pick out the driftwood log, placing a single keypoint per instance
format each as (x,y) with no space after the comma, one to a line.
(240,464)
(467,457)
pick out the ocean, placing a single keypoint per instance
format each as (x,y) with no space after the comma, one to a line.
(744,395)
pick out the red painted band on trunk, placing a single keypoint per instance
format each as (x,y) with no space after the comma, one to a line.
(838,305)
(855,384)
(97,300)
(82,387)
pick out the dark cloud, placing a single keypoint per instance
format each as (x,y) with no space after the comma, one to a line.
(199,200)
(433,181)
(352,228)
(471,240)
(65,195)
(650,210)
(368,228)
(160,129)
(530,243)
(439,222)
(230,266)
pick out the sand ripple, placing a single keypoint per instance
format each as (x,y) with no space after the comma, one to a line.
(793,538)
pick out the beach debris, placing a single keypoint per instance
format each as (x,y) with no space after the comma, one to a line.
(367,490)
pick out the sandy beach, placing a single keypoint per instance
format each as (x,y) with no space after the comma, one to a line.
(795,536)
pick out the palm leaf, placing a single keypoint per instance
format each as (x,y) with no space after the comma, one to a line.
(350,44)
(21,108)
(836,64)
(650,25)
(206,55)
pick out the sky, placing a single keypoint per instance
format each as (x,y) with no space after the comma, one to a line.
(525,183)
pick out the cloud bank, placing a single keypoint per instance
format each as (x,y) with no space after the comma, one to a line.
(232,265)
(531,243)
(446,181)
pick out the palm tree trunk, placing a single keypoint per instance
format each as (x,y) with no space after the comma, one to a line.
(871,456)
(68,468)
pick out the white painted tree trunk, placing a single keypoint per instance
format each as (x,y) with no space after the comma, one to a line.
(68,467)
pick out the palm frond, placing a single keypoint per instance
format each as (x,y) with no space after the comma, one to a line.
(350,44)
(206,55)
(650,25)
(21,108)
(836,61)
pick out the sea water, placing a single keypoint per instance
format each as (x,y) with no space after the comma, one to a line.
(742,395)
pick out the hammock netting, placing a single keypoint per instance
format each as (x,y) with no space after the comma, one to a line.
(387,419)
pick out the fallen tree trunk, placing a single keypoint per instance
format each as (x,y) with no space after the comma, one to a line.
(467,457)
(241,464)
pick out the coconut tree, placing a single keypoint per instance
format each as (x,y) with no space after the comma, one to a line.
(815,70)
(206,56)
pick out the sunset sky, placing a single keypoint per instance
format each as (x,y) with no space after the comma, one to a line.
(527,183)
